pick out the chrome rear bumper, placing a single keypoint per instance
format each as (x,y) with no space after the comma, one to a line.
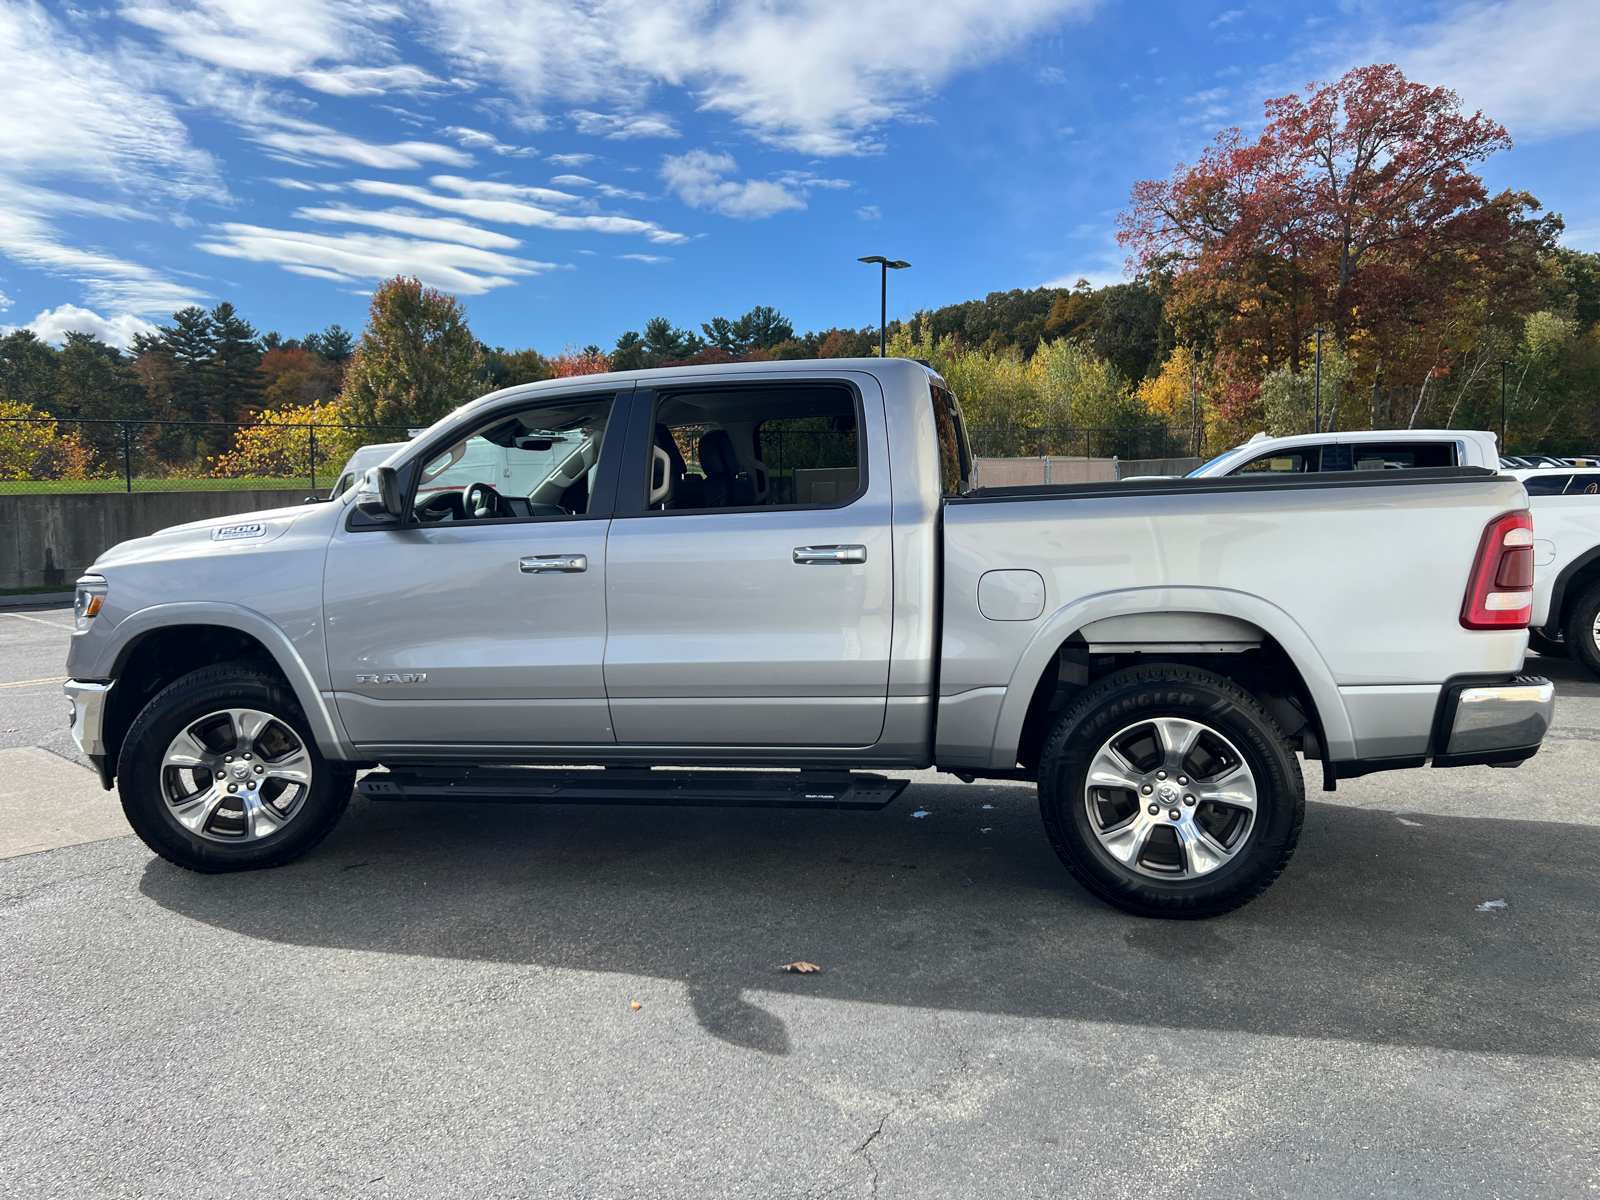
(1496,723)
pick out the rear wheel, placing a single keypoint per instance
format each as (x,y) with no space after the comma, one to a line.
(1168,791)
(220,773)
(1581,633)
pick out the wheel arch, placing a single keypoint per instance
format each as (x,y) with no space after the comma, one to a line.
(1571,583)
(1176,623)
(159,645)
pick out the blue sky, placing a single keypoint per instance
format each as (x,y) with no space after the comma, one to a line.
(573,169)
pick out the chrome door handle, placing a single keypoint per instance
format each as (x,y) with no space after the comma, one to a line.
(545,564)
(830,554)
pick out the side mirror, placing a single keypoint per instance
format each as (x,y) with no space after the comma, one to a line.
(378,494)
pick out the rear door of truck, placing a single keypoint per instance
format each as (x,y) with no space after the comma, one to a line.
(749,568)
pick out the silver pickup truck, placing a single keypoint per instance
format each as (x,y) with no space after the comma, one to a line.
(755,583)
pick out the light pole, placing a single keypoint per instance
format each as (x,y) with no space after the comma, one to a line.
(1317,420)
(1504,363)
(883,297)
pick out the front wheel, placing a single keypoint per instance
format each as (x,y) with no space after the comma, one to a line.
(1168,791)
(220,773)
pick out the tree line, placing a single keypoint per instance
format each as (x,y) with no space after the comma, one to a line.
(1357,212)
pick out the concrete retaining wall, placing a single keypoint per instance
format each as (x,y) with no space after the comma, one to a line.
(1030,472)
(49,539)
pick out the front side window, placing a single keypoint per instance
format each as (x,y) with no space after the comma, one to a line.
(1283,462)
(537,463)
(775,447)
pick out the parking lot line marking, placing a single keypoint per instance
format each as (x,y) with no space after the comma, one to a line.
(27,682)
(35,620)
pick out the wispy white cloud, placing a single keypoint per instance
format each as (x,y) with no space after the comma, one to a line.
(646,258)
(476,139)
(5,302)
(357,257)
(570,160)
(409,221)
(1533,65)
(115,150)
(817,76)
(622,126)
(698,178)
(341,47)
(512,204)
(305,143)
(869,212)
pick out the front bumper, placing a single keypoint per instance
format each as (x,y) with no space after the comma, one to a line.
(1493,723)
(88,721)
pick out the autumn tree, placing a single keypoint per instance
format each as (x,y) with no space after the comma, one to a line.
(1356,209)
(416,360)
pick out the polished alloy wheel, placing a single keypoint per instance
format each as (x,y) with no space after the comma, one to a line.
(237,775)
(1170,798)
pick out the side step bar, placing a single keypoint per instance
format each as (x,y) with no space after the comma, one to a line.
(633,785)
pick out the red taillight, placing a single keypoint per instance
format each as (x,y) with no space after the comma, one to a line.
(1500,589)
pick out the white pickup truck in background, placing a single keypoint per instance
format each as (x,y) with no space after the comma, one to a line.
(1355,450)
(1564,500)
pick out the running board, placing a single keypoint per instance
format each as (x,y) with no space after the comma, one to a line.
(632,785)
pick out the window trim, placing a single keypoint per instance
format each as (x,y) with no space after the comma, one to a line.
(601,504)
(641,437)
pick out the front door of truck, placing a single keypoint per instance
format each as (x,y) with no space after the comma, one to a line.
(480,621)
(749,569)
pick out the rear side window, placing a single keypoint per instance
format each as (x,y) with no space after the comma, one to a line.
(782,446)
(955,456)
(1389,456)
(1584,485)
(1547,485)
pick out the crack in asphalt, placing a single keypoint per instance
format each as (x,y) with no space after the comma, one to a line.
(872,1167)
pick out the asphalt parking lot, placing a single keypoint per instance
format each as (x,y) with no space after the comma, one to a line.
(439,1000)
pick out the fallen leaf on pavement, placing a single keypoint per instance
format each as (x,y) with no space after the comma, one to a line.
(801,968)
(635,1005)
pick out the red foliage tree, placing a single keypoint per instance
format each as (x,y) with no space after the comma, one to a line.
(1356,208)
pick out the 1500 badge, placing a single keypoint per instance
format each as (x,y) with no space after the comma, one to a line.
(409,677)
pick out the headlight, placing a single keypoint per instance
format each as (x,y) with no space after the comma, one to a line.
(88,599)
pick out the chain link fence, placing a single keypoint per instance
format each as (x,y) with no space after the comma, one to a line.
(52,455)
(72,455)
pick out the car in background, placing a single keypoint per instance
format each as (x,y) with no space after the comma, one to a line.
(1356,450)
(1566,562)
(1543,460)
(364,457)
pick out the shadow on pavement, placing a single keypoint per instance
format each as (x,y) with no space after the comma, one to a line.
(1370,935)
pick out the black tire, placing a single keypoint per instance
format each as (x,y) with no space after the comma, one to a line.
(144,782)
(1578,634)
(1549,647)
(1118,707)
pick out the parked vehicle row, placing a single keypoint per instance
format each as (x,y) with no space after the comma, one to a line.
(782,571)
